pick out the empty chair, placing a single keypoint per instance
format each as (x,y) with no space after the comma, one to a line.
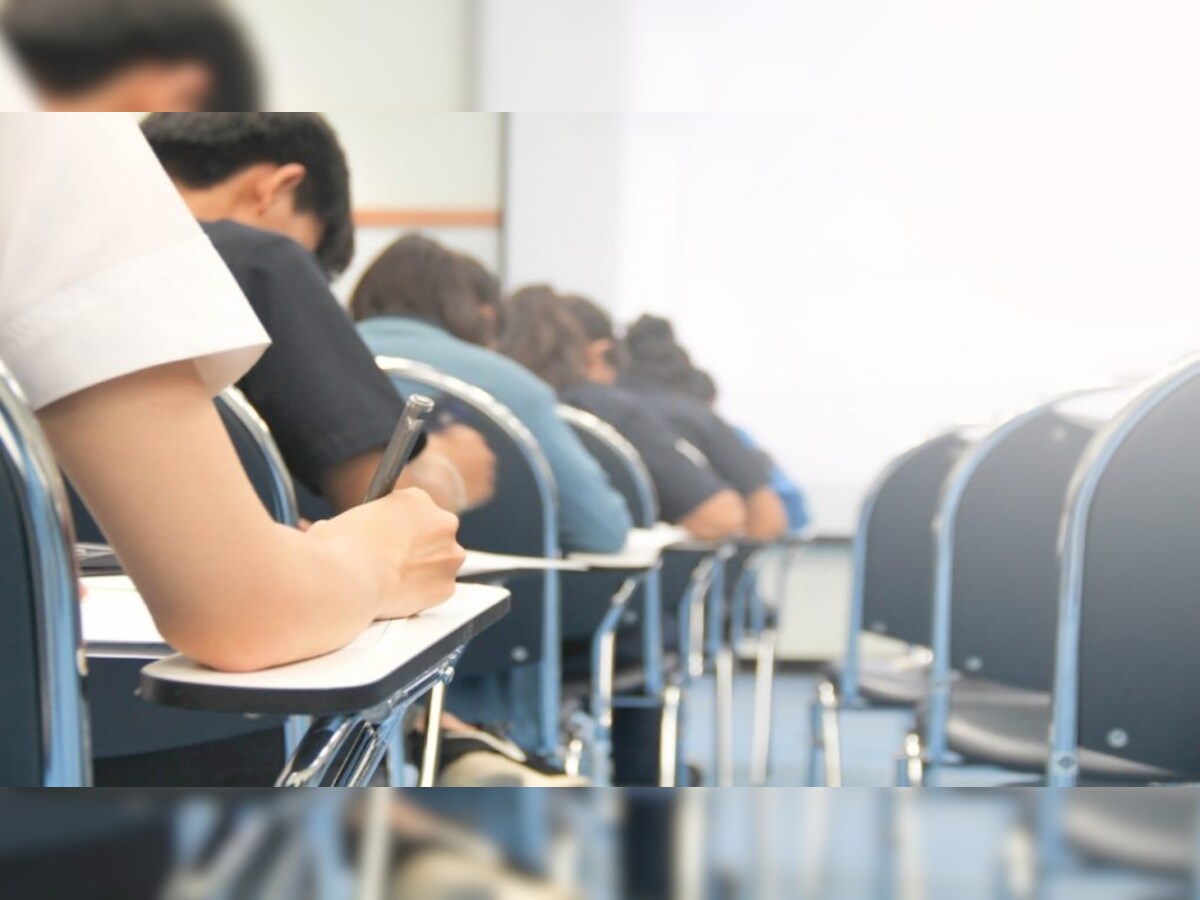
(892,594)
(1126,663)
(43,742)
(996,572)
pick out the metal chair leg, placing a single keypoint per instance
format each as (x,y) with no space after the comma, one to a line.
(816,748)
(911,764)
(724,723)
(764,683)
(433,736)
(831,736)
(668,754)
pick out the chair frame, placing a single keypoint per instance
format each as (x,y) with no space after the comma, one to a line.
(549,675)
(65,745)
(603,699)
(1062,766)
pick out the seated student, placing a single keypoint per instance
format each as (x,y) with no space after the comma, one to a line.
(542,335)
(119,345)
(704,388)
(259,178)
(132,55)
(745,470)
(272,193)
(421,301)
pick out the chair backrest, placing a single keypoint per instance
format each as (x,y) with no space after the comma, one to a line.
(1129,618)
(893,552)
(621,463)
(522,519)
(998,543)
(259,456)
(43,740)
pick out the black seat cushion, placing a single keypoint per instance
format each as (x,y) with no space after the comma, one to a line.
(1013,732)
(1152,829)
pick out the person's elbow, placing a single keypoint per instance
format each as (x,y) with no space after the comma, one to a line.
(766,517)
(721,516)
(225,649)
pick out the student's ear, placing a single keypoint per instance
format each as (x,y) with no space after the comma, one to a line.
(279,188)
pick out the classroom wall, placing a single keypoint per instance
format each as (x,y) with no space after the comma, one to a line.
(941,212)
(363,54)
(439,173)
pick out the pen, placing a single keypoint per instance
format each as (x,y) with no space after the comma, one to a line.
(400,447)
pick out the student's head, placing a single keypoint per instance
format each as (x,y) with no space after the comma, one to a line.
(601,360)
(654,355)
(283,172)
(542,335)
(133,55)
(418,277)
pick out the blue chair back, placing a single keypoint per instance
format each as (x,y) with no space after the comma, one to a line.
(522,520)
(43,741)
(1126,662)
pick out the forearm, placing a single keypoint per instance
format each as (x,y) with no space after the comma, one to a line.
(721,516)
(766,518)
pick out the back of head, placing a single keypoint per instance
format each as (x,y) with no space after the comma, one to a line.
(200,150)
(594,321)
(542,335)
(419,277)
(653,355)
(71,47)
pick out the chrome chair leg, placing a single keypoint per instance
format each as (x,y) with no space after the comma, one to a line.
(764,678)
(724,724)
(668,753)
(831,735)
(910,770)
(431,752)
(816,748)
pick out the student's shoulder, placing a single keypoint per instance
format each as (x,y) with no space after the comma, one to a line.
(246,248)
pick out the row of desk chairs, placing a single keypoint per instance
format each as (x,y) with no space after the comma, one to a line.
(1036,584)
(43,695)
(597,609)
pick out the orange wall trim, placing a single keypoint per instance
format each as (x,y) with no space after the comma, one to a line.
(427,218)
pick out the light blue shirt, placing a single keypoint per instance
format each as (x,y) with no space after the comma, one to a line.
(592,516)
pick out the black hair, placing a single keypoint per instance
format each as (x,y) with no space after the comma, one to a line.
(416,276)
(543,336)
(596,326)
(71,46)
(203,149)
(654,355)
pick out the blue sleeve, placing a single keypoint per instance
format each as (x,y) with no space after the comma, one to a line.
(592,515)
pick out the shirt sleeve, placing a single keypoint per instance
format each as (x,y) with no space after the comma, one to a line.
(103,271)
(592,515)
(317,386)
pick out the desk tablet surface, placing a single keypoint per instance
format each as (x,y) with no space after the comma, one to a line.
(115,621)
(480,565)
(642,549)
(381,661)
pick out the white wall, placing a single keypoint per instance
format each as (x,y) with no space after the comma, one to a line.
(945,210)
(363,54)
(444,162)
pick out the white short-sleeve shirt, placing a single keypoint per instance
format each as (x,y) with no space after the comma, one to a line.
(103,270)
